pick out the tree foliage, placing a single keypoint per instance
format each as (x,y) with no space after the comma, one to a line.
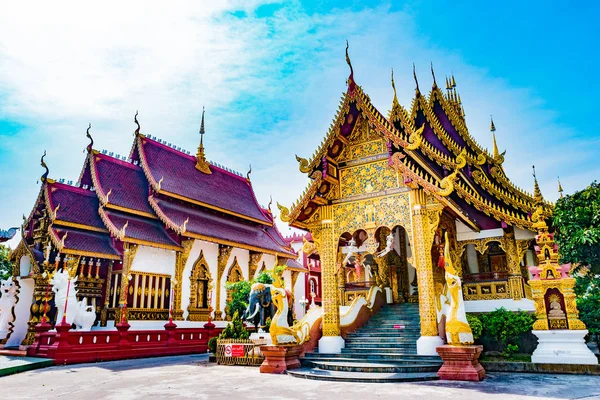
(475,324)
(576,220)
(5,265)
(587,289)
(507,327)
(240,295)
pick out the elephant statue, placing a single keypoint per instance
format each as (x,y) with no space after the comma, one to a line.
(260,306)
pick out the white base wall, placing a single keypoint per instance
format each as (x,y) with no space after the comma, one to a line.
(427,345)
(492,305)
(562,347)
(331,344)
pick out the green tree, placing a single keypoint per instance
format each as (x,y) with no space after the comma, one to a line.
(240,295)
(576,220)
(5,265)
(507,327)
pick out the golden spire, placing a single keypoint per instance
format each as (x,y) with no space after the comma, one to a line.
(537,193)
(201,164)
(493,130)
(453,82)
(415,76)
(560,189)
(395,101)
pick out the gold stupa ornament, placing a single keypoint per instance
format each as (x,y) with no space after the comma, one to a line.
(552,286)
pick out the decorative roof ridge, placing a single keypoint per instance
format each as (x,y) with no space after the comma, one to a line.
(287,248)
(306,196)
(59,243)
(461,129)
(479,175)
(118,233)
(119,161)
(163,217)
(72,188)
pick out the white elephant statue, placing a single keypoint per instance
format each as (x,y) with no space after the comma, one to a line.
(78,312)
(8,291)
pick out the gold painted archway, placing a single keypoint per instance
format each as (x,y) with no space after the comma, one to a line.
(200,289)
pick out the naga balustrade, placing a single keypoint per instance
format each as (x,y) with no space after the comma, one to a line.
(68,347)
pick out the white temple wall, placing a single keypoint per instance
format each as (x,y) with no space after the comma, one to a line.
(151,259)
(472,262)
(524,234)
(463,232)
(299,293)
(287,279)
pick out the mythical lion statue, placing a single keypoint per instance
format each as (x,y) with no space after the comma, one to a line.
(78,312)
(8,290)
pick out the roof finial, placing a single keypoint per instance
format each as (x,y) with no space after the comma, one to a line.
(493,130)
(137,131)
(249,172)
(560,189)
(43,164)
(87,134)
(453,81)
(351,77)
(433,74)
(395,101)
(415,76)
(270,202)
(201,164)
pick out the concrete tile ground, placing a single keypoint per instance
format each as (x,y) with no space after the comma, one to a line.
(191,377)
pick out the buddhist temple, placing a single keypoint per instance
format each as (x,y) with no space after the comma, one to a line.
(141,228)
(385,190)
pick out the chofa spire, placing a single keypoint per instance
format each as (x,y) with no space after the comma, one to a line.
(90,146)
(350,82)
(395,100)
(201,164)
(416,80)
(560,189)
(43,164)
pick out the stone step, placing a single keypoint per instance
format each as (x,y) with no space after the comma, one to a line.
(398,357)
(370,339)
(370,367)
(406,350)
(325,375)
(382,346)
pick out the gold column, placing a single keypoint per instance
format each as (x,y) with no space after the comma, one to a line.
(180,262)
(425,219)
(326,240)
(129,250)
(104,312)
(224,254)
(515,279)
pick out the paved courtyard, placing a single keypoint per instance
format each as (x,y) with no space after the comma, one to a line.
(191,377)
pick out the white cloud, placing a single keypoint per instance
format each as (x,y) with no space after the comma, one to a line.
(271,87)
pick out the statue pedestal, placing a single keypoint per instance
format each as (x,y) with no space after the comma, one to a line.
(461,363)
(279,359)
(562,347)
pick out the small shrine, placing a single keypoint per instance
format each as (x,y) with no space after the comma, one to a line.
(560,331)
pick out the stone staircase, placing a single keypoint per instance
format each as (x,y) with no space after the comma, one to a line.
(383,350)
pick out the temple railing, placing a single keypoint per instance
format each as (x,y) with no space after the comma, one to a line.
(485,276)
(65,346)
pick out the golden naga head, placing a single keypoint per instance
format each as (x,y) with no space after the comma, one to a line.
(284,213)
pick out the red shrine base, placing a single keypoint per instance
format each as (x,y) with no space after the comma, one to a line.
(279,359)
(461,363)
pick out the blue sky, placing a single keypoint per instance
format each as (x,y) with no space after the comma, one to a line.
(271,75)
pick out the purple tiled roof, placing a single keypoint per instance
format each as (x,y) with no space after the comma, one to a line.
(94,242)
(220,189)
(126,182)
(295,265)
(140,228)
(212,224)
(77,205)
